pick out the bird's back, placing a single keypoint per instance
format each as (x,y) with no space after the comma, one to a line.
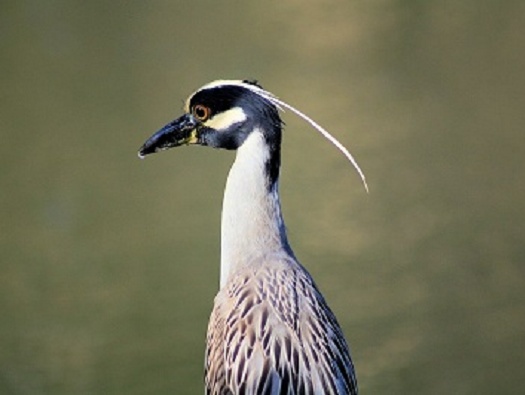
(271,332)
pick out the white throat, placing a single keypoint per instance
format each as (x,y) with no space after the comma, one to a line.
(251,224)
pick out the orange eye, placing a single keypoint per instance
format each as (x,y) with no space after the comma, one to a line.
(202,113)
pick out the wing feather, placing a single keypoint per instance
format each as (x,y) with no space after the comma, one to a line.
(271,332)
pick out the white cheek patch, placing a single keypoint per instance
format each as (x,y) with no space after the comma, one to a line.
(224,120)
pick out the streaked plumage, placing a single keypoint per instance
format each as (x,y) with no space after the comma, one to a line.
(270,331)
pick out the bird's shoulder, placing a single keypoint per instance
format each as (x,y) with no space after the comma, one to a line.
(271,328)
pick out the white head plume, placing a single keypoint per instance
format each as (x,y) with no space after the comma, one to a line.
(281,105)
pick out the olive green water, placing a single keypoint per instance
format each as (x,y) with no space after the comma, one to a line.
(109,264)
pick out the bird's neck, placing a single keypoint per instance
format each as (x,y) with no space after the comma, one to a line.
(252,223)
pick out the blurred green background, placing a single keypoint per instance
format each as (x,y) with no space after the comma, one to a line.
(109,264)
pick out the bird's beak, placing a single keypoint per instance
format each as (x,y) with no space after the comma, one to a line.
(179,132)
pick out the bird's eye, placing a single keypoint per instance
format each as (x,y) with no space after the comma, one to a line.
(202,113)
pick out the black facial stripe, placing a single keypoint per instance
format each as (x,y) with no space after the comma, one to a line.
(229,139)
(219,99)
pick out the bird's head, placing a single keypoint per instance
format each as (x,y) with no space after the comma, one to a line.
(220,115)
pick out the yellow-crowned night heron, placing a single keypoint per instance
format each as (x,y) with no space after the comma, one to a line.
(270,331)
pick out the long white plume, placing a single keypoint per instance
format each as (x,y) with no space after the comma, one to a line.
(281,104)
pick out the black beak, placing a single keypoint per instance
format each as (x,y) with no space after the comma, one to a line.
(179,132)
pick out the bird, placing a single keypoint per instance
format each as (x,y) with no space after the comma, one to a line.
(271,330)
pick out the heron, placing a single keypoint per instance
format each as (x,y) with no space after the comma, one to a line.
(271,330)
